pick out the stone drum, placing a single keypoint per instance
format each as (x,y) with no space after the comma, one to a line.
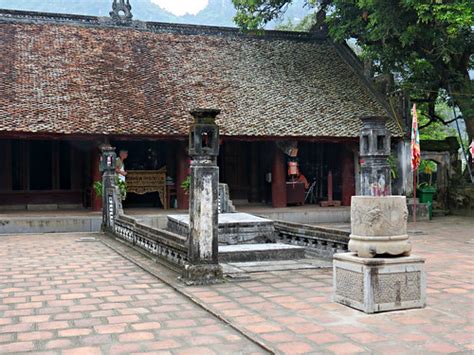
(379,226)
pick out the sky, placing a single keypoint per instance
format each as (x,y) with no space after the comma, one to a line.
(182,7)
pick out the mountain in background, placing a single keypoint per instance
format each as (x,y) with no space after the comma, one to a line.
(217,12)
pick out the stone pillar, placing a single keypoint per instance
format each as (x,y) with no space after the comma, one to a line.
(96,201)
(378,274)
(278,179)
(182,171)
(374,152)
(203,209)
(111,199)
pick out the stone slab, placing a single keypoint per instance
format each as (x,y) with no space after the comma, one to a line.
(41,207)
(259,252)
(234,228)
(226,218)
(275,265)
(379,284)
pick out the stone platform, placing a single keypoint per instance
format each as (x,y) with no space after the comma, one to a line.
(234,228)
(379,284)
(259,252)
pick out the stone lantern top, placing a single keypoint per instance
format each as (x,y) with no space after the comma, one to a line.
(204,114)
(107,159)
(204,133)
(374,137)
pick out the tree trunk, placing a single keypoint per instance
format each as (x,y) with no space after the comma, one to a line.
(463,95)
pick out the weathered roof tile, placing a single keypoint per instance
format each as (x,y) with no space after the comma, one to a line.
(62,78)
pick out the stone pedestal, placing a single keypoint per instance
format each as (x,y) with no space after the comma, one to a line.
(379,284)
(379,226)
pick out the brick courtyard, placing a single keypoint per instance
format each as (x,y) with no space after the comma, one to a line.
(58,295)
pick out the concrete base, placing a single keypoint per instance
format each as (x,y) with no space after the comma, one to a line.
(234,228)
(202,274)
(379,284)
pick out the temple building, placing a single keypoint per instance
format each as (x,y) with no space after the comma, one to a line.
(70,83)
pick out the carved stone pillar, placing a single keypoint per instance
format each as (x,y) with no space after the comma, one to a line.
(111,199)
(374,153)
(203,207)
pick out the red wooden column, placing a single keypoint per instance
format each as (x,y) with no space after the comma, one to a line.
(278,179)
(348,177)
(96,201)
(182,171)
(254,177)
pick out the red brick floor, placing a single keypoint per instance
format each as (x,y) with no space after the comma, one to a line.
(82,298)
(293,313)
(60,295)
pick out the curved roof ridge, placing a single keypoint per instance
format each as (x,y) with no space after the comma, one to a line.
(152,26)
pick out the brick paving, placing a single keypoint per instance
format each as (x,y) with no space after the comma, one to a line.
(292,312)
(59,295)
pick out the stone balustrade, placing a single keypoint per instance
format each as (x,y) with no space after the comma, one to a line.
(318,241)
(168,247)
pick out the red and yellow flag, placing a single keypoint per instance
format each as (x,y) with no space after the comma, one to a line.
(415,141)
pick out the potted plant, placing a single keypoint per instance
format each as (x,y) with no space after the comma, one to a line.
(425,190)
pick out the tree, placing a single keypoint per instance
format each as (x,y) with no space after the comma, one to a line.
(428,44)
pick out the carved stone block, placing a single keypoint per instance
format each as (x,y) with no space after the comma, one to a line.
(379,284)
(379,226)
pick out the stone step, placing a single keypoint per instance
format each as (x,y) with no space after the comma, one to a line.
(259,252)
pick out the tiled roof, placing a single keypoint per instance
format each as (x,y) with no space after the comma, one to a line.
(94,79)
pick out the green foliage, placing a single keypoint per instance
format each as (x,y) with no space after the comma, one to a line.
(427,167)
(392,162)
(435,130)
(122,185)
(98,188)
(303,26)
(186,184)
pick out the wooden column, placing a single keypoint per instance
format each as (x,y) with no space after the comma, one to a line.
(96,201)
(278,179)
(182,171)
(55,165)
(254,173)
(5,165)
(348,177)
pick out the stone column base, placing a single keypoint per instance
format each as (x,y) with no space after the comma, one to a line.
(202,274)
(379,284)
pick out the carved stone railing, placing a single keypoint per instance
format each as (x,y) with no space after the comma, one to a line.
(169,247)
(318,241)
